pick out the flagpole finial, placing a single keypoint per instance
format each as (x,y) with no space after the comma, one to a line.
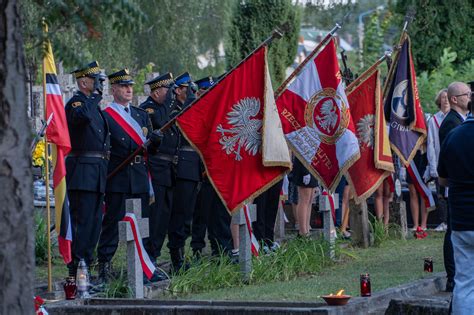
(409,16)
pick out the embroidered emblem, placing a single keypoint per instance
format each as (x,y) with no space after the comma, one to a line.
(76,104)
(399,100)
(150,110)
(327,113)
(145,131)
(245,131)
(365,131)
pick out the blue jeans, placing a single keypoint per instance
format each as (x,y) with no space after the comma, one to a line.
(463,295)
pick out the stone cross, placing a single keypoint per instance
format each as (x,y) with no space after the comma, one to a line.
(329,229)
(134,267)
(245,251)
(280,222)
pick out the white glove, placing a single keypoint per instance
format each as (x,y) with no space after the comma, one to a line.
(426,175)
(403,174)
(306,179)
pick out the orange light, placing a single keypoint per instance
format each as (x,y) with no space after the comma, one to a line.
(340,292)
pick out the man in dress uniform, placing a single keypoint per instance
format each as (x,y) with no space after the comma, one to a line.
(86,164)
(163,164)
(217,224)
(129,128)
(188,176)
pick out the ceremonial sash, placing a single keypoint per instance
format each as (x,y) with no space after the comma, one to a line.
(132,128)
(255,247)
(420,186)
(145,261)
(436,121)
(331,204)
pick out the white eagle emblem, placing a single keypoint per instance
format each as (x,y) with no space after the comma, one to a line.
(365,130)
(329,117)
(246,132)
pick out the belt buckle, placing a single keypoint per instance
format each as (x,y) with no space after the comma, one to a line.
(138,159)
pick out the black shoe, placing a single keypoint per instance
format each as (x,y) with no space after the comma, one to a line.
(104,272)
(158,276)
(449,286)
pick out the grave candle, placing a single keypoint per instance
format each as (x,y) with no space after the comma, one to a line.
(428,265)
(70,288)
(365,289)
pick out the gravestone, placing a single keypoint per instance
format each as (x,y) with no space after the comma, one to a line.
(280,222)
(359,224)
(245,252)
(134,267)
(328,221)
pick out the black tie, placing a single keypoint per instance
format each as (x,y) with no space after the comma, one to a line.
(127,109)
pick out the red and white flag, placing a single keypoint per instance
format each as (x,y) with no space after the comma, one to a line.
(317,121)
(236,130)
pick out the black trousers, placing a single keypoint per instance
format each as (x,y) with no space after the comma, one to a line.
(115,211)
(86,218)
(160,213)
(267,210)
(184,199)
(448,252)
(210,214)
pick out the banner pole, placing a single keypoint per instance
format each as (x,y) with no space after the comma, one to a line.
(46,174)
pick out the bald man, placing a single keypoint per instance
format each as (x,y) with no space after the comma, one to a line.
(459,95)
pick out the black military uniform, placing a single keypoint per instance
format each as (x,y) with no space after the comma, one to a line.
(86,167)
(162,165)
(131,181)
(188,176)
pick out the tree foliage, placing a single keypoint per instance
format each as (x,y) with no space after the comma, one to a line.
(253,21)
(437,25)
(430,82)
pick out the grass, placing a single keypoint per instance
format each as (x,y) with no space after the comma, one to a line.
(392,263)
(299,271)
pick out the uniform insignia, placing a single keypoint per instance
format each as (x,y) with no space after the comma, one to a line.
(76,104)
(150,110)
(145,131)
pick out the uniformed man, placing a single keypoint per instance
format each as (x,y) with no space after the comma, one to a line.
(217,223)
(188,176)
(129,128)
(163,164)
(86,164)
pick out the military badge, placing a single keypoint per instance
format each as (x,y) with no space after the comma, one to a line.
(145,131)
(76,104)
(150,110)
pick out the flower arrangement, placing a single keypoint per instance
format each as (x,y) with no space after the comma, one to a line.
(37,159)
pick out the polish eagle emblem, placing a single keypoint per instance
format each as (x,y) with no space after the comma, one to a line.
(245,131)
(365,130)
(329,117)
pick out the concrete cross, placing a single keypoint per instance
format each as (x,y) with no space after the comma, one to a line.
(329,231)
(245,251)
(134,267)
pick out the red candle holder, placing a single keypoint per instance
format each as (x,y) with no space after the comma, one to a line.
(365,289)
(70,288)
(428,265)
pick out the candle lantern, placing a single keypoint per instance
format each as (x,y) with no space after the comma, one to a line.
(428,265)
(70,288)
(82,279)
(365,289)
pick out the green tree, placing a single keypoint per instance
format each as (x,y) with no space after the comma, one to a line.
(253,21)
(437,25)
(430,82)
(178,31)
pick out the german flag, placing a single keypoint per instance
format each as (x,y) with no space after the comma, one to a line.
(57,135)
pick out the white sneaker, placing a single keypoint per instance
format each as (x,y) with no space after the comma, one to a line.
(441,228)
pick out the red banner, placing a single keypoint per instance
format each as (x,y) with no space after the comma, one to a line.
(226,126)
(365,98)
(317,121)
